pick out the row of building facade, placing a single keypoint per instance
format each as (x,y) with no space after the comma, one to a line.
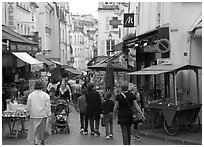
(59,34)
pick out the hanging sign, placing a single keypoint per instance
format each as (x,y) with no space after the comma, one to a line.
(128,20)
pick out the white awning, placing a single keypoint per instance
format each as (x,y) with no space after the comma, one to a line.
(26,58)
(56,62)
(140,72)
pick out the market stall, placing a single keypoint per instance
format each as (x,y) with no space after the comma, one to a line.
(14,117)
(175,112)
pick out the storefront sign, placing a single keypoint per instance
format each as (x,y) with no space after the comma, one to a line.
(11,15)
(128,20)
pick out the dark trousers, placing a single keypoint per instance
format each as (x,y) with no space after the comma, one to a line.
(97,121)
(84,121)
(126,132)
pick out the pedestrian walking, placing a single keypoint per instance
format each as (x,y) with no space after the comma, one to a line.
(107,109)
(38,111)
(82,108)
(86,81)
(137,123)
(94,106)
(63,92)
(52,83)
(124,101)
(76,92)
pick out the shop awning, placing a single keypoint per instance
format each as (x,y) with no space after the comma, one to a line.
(56,62)
(74,71)
(11,35)
(118,47)
(196,29)
(112,58)
(26,58)
(159,69)
(45,61)
(96,60)
(141,72)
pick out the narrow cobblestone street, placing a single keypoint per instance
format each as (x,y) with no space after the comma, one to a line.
(75,138)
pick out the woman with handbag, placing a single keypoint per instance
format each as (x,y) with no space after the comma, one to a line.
(138,121)
(124,103)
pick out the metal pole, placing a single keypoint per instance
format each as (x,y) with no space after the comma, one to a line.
(175,94)
(198,90)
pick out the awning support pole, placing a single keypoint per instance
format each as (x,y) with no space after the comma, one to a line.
(197,83)
(175,94)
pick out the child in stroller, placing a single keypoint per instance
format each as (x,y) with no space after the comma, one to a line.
(61,116)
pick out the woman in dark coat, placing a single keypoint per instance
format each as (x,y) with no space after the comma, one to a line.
(94,106)
(124,102)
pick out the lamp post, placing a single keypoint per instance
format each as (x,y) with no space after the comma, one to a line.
(109,39)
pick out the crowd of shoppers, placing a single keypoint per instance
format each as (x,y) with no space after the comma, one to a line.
(90,105)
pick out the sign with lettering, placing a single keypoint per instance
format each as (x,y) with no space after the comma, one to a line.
(128,20)
(11,23)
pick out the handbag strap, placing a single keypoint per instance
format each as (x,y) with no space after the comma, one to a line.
(126,100)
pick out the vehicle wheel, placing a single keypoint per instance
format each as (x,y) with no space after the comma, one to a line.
(192,126)
(173,129)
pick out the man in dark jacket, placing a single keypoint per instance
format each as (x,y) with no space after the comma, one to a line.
(94,106)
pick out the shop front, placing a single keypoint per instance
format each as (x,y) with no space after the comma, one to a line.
(13,42)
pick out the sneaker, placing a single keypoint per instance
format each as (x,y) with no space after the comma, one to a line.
(111,135)
(82,130)
(85,133)
(92,133)
(137,138)
(107,137)
(97,132)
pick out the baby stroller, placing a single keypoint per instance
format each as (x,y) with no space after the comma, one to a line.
(61,117)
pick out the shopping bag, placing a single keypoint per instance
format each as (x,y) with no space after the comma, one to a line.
(48,127)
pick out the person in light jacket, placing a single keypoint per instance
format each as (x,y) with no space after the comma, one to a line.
(38,111)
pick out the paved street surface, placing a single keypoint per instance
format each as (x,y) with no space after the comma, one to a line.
(75,138)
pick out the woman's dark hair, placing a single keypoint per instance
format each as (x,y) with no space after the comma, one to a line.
(39,85)
(77,81)
(52,89)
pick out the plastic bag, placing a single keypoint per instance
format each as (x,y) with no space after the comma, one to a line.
(48,127)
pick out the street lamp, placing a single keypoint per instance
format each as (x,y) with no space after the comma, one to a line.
(109,39)
(110,36)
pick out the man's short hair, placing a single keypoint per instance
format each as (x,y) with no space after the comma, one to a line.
(90,86)
(39,85)
(124,87)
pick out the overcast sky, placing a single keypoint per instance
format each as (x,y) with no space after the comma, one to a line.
(84,7)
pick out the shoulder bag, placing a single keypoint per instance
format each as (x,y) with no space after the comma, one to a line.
(135,113)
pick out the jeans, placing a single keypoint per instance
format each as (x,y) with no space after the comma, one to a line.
(126,132)
(108,119)
(97,121)
(84,121)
